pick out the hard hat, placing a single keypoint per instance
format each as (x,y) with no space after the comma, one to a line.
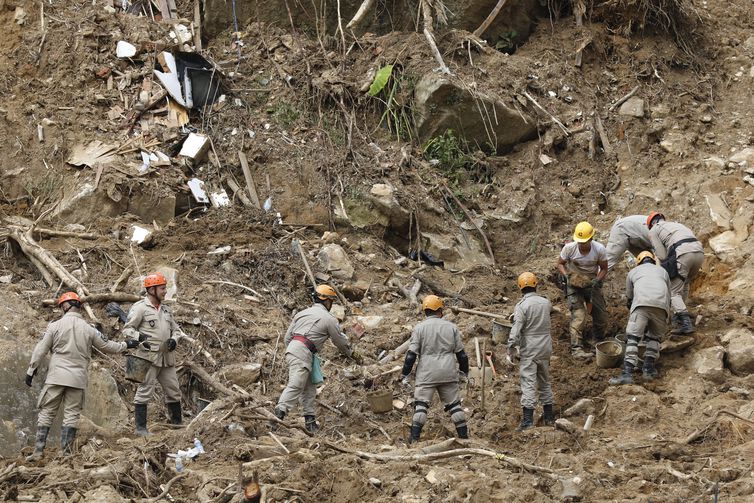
(432,302)
(652,216)
(68,296)
(583,233)
(155,279)
(527,280)
(324,292)
(645,254)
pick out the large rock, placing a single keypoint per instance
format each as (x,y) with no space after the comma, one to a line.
(443,103)
(242,374)
(740,351)
(454,250)
(633,107)
(708,362)
(103,405)
(333,259)
(383,198)
(718,210)
(744,158)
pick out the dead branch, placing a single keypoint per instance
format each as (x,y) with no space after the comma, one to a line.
(230,283)
(623,99)
(198,346)
(122,279)
(359,16)
(409,293)
(428,21)
(701,431)
(603,136)
(297,244)
(167,487)
(66,234)
(490,18)
(473,222)
(542,109)
(101,297)
(505,322)
(208,379)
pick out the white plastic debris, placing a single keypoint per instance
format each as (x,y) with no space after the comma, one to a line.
(195,146)
(139,234)
(124,49)
(219,199)
(221,250)
(267,206)
(197,190)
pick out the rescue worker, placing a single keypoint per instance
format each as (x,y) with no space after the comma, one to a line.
(583,263)
(150,321)
(648,298)
(437,345)
(70,340)
(306,334)
(628,233)
(681,254)
(530,334)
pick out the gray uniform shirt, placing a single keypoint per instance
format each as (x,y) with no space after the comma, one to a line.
(436,341)
(316,324)
(665,234)
(648,285)
(531,327)
(628,233)
(70,339)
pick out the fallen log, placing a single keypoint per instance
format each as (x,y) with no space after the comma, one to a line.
(505,322)
(65,234)
(101,297)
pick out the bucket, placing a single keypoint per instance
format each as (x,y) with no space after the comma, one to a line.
(608,354)
(380,401)
(136,368)
(500,333)
(621,338)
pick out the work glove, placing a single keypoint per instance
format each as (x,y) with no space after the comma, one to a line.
(596,283)
(172,344)
(356,357)
(462,377)
(28,380)
(132,343)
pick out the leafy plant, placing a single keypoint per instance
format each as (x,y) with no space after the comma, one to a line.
(452,153)
(285,114)
(391,88)
(380,80)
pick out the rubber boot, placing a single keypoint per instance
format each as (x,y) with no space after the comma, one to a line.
(648,371)
(549,415)
(67,436)
(39,443)
(626,376)
(686,325)
(174,408)
(462,431)
(140,418)
(675,324)
(416,431)
(527,420)
(311,424)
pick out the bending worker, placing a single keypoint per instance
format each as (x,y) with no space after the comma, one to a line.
(682,255)
(437,345)
(628,233)
(648,298)
(306,334)
(531,335)
(151,322)
(584,264)
(70,340)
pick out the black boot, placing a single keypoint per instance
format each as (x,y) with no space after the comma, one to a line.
(39,443)
(686,326)
(549,415)
(462,431)
(527,420)
(311,424)
(626,376)
(140,418)
(416,431)
(648,371)
(67,436)
(280,414)
(174,408)
(675,324)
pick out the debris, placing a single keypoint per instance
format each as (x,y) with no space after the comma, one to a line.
(431,477)
(241,374)
(197,190)
(195,147)
(708,362)
(545,159)
(633,107)
(333,259)
(139,234)
(8,278)
(718,210)
(19,16)
(190,79)
(565,425)
(375,482)
(124,49)
(93,153)
(249,179)
(623,99)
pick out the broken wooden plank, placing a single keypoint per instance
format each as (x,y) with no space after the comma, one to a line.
(249,180)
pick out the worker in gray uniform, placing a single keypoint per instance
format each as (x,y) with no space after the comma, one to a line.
(648,298)
(151,322)
(436,343)
(628,233)
(682,255)
(530,334)
(306,334)
(70,340)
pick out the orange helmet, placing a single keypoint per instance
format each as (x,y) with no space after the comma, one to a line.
(155,279)
(68,296)
(324,292)
(527,280)
(432,303)
(652,216)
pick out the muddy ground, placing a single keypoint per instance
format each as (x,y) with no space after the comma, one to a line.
(296,105)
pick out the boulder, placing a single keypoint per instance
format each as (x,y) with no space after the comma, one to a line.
(740,350)
(242,374)
(442,103)
(103,405)
(724,244)
(718,211)
(744,158)
(633,107)
(454,250)
(333,259)
(382,196)
(708,363)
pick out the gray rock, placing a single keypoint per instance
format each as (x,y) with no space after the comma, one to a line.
(242,374)
(718,211)
(708,362)
(333,259)
(103,494)
(744,158)
(740,350)
(633,107)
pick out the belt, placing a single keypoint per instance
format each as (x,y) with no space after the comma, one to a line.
(306,342)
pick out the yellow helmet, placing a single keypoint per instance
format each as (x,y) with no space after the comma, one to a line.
(583,233)
(646,254)
(527,280)
(432,302)
(324,292)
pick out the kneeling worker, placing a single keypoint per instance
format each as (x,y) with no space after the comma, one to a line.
(531,334)
(437,345)
(648,298)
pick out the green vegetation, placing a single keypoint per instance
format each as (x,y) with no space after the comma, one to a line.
(452,152)
(392,89)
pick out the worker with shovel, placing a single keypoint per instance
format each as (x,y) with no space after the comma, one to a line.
(648,298)
(627,234)
(306,334)
(530,334)
(583,264)
(150,321)
(437,345)
(70,340)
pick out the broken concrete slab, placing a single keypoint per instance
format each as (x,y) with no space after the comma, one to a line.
(633,107)
(333,259)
